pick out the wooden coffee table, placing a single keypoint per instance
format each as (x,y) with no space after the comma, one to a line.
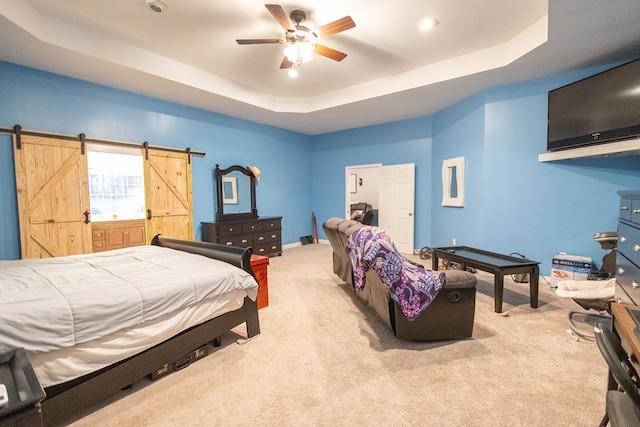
(493,263)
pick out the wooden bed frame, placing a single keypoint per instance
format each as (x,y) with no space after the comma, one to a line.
(65,399)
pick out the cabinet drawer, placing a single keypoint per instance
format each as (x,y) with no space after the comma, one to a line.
(621,296)
(635,211)
(267,236)
(99,245)
(628,277)
(229,229)
(629,242)
(251,227)
(98,234)
(625,209)
(271,224)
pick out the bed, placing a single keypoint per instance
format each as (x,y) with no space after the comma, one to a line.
(153,305)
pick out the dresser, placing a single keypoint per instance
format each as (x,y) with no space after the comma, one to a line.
(628,257)
(624,310)
(263,234)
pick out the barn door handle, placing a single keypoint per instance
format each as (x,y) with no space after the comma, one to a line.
(149,214)
(86,217)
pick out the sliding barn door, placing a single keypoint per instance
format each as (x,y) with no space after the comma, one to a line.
(167,178)
(53,197)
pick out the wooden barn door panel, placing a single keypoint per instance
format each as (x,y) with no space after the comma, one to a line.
(53,194)
(167,177)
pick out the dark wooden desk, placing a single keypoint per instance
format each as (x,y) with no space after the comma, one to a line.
(493,263)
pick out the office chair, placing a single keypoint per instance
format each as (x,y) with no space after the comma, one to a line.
(623,404)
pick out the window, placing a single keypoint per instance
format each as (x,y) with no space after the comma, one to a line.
(116,183)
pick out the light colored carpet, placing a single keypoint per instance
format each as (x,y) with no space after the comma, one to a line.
(324,359)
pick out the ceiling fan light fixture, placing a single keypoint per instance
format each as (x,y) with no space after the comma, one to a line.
(299,52)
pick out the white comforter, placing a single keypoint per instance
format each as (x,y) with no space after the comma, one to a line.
(48,304)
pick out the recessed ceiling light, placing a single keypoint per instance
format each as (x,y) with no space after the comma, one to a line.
(428,23)
(156,6)
(293,73)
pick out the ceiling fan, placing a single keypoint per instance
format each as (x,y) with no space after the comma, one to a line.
(300,40)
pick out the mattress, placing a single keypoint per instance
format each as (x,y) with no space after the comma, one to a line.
(59,366)
(104,307)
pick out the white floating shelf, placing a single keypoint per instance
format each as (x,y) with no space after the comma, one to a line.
(621,148)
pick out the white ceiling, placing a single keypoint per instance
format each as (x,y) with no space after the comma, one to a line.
(393,71)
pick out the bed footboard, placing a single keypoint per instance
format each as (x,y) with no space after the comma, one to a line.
(240,257)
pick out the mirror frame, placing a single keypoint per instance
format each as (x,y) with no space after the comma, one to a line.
(219,174)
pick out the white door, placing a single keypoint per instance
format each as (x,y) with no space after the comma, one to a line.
(397,200)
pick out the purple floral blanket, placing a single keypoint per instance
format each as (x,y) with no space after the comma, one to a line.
(411,286)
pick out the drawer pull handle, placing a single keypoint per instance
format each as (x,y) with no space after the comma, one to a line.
(620,270)
(624,208)
(636,248)
(273,236)
(619,300)
(634,284)
(261,238)
(229,243)
(636,211)
(244,240)
(623,239)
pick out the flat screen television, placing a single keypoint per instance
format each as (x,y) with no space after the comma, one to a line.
(596,110)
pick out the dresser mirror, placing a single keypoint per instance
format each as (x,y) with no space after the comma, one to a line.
(235,193)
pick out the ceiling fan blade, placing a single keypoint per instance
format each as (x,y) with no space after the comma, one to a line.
(285,63)
(330,53)
(335,27)
(281,16)
(257,41)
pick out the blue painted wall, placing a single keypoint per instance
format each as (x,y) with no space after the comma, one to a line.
(406,141)
(52,103)
(512,202)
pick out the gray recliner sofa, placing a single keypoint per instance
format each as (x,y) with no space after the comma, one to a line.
(449,316)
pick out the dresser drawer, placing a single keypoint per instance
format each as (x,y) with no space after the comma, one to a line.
(229,229)
(628,277)
(629,242)
(625,209)
(243,240)
(268,248)
(621,296)
(272,224)
(267,236)
(251,227)
(635,211)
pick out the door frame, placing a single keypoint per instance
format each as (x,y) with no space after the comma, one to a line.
(348,170)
